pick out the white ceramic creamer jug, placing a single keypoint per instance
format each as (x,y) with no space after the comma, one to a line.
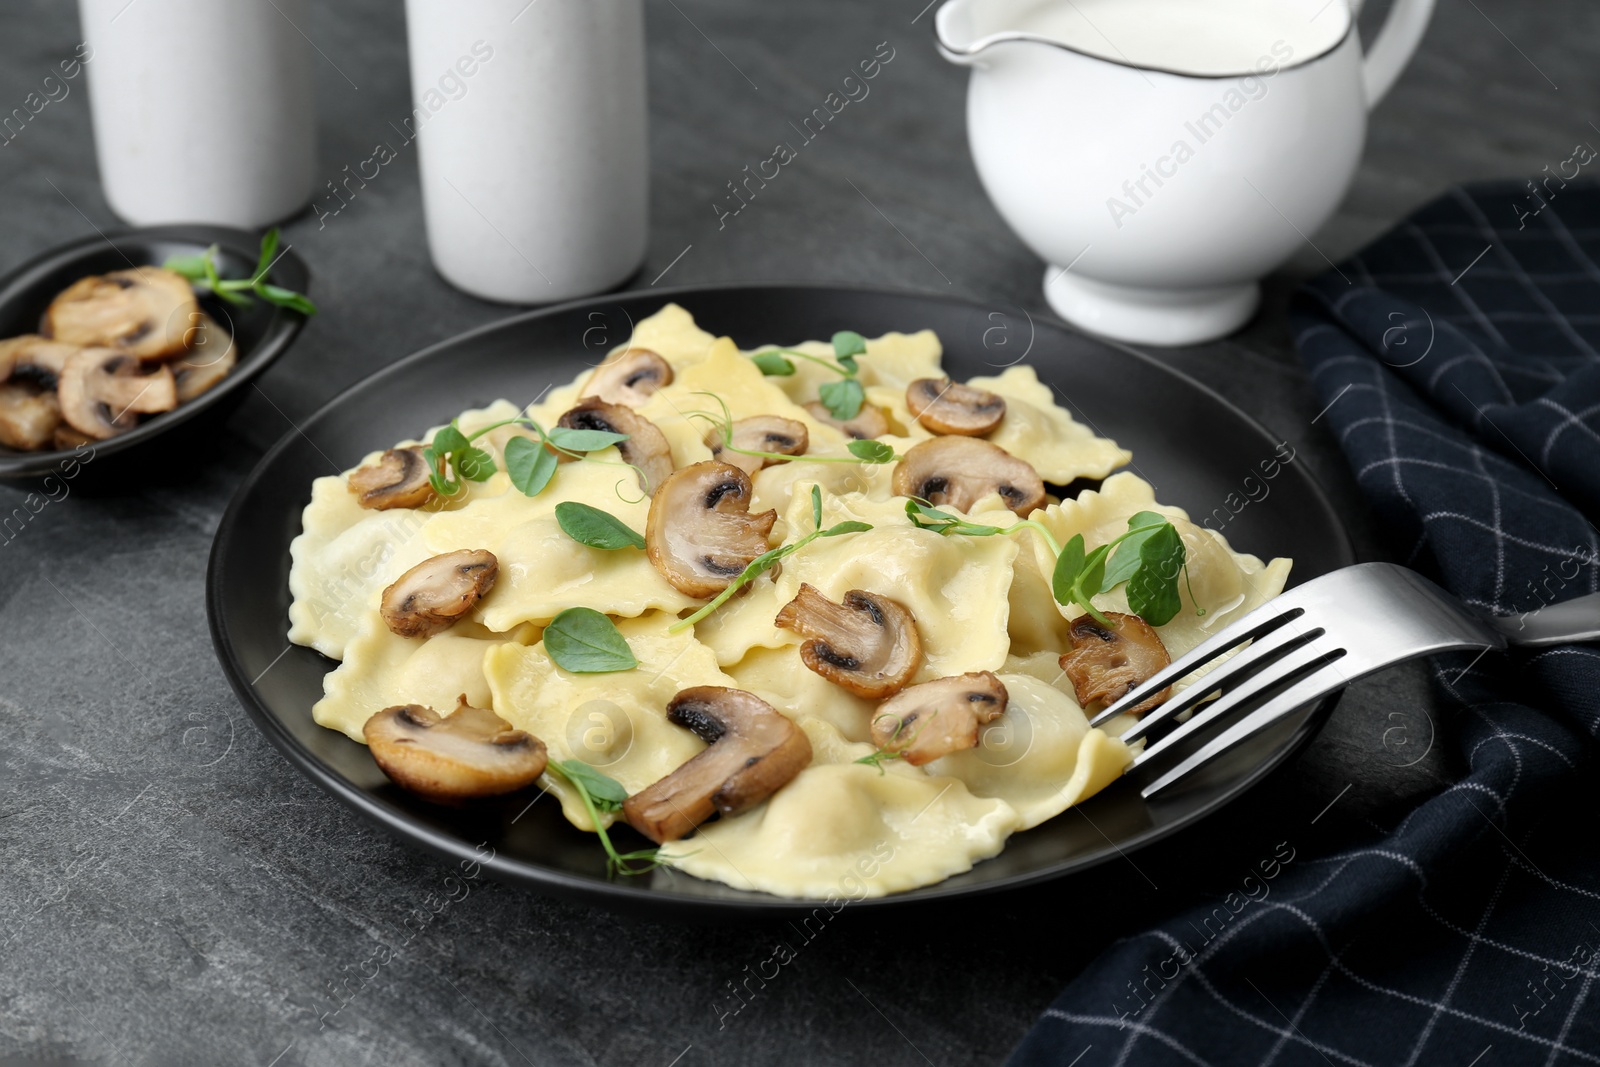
(1162,155)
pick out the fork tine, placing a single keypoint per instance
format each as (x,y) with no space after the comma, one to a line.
(1314,686)
(1277,643)
(1261,621)
(1289,668)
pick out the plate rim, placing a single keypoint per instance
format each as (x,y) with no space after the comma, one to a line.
(280,333)
(664,901)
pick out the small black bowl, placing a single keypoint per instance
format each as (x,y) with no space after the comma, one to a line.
(262,331)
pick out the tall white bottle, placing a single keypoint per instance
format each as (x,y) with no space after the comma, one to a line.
(531,129)
(202,110)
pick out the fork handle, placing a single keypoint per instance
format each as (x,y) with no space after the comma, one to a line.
(1553,624)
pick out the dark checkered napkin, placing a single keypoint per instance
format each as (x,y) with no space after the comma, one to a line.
(1459,359)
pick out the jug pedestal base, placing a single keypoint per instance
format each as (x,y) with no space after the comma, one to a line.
(1150,316)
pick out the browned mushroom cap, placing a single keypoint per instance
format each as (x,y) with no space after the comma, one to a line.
(434,594)
(467,754)
(960,471)
(944,406)
(760,433)
(103,392)
(33,356)
(700,534)
(754,752)
(646,446)
(1105,664)
(145,311)
(939,717)
(398,479)
(209,359)
(868,645)
(628,377)
(29,415)
(869,422)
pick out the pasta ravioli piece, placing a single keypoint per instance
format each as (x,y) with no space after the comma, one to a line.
(777,676)
(1040,757)
(381,670)
(616,722)
(956,588)
(819,835)
(542,570)
(775,486)
(1226,584)
(345,554)
(1044,433)
(671,333)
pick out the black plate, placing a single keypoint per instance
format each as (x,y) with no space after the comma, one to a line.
(262,332)
(1191,443)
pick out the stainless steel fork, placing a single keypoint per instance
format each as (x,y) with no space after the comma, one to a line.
(1320,637)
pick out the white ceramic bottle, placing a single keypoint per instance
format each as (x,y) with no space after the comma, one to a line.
(202,110)
(531,128)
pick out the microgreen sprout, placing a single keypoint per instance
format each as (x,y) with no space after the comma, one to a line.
(601,793)
(843,398)
(883,754)
(201,271)
(926,517)
(530,462)
(1149,558)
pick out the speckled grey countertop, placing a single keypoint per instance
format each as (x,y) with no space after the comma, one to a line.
(172,891)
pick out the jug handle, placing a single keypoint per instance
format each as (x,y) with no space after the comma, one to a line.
(1402,32)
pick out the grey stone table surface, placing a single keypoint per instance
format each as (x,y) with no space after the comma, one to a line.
(173,891)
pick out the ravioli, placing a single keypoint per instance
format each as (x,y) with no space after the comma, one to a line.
(346,554)
(956,588)
(542,570)
(841,824)
(1040,756)
(382,669)
(616,723)
(1223,584)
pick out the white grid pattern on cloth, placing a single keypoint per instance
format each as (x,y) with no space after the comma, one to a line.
(1481,949)
(1439,1008)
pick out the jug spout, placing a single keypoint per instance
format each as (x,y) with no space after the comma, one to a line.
(966,29)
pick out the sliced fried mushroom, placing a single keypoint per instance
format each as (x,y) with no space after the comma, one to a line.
(467,754)
(646,446)
(700,534)
(944,406)
(29,415)
(1105,664)
(868,645)
(754,751)
(34,356)
(209,360)
(960,471)
(436,593)
(399,479)
(103,391)
(939,717)
(869,422)
(628,377)
(145,311)
(760,433)
(66,438)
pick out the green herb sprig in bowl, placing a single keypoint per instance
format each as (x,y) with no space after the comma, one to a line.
(201,271)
